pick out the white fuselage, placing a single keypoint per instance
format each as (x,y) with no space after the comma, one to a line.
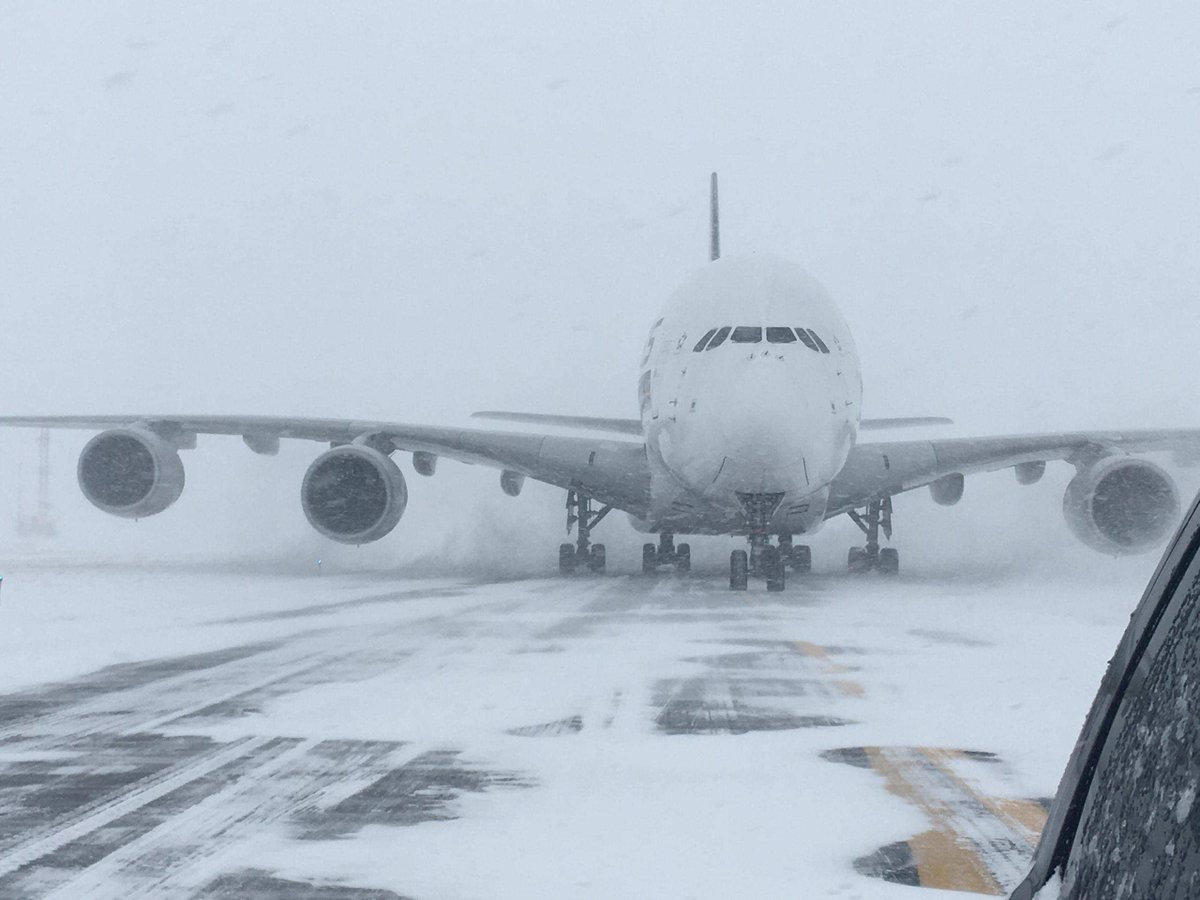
(770,413)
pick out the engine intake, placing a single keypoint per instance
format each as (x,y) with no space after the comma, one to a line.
(1121,505)
(130,472)
(353,494)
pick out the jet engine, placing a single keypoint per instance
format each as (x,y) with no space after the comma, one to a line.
(353,494)
(130,472)
(1121,505)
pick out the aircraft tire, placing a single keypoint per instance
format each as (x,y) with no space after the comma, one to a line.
(566,559)
(857,561)
(739,570)
(683,558)
(649,558)
(774,569)
(599,559)
(889,561)
(801,558)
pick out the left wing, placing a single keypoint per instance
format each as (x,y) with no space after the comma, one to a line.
(613,472)
(882,469)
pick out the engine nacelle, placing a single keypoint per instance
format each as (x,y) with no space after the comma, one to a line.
(353,494)
(1121,505)
(947,490)
(1029,472)
(425,463)
(130,472)
(511,482)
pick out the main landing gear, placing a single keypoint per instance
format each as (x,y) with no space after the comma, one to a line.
(667,553)
(583,552)
(876,517)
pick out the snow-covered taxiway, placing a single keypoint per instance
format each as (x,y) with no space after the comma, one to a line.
(184,732)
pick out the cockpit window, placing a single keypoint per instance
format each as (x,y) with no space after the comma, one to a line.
(718,338)
(808,342)
(747,334)
(704,340)
(820,343)
(780,336)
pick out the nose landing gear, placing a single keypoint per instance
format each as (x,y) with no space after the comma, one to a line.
(667,553)
(876,517)
(583,552)
(764,560)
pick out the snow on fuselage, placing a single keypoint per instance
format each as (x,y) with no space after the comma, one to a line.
(770,404)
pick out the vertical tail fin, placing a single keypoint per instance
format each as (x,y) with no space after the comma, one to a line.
(714,222)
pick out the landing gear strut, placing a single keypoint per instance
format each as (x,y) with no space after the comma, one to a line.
(764,560)
(583,552)
(667,553)
(876,517)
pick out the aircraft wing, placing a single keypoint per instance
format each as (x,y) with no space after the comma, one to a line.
(881,469)
(634,426)
(593,423)
(611,471)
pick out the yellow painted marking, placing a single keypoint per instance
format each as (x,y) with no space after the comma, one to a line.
(1017,813)
(1025,815)
(850,688)
(943,858)
(821,654)
(943,862)
(846,686)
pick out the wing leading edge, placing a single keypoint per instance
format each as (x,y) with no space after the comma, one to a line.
(634,426)
(885,468)
(613,472)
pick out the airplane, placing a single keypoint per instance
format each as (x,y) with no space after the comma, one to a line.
(750,397)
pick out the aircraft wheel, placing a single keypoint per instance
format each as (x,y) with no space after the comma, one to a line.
(649,558)
(739,570)
(889,561)
(683,558)
(599,558)
(857,562)
(566,559)
(774,569)
(801,558)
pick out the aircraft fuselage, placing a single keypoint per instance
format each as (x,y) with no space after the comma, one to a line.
(766,410)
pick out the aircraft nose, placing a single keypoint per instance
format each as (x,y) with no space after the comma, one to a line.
(751,430)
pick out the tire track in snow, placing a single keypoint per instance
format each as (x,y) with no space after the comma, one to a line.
(105,791)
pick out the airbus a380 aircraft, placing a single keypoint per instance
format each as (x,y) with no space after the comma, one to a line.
(750,395)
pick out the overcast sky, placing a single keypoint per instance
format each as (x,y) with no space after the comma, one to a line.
(412,210)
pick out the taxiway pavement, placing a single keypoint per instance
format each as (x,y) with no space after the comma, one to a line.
(193,734)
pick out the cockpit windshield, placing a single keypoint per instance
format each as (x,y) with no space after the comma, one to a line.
(753,334)
(747,334)
(718,338)
(820,343)
(806,338)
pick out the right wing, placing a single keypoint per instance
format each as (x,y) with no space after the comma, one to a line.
(613,472)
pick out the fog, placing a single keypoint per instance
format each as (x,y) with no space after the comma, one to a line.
(410,211)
